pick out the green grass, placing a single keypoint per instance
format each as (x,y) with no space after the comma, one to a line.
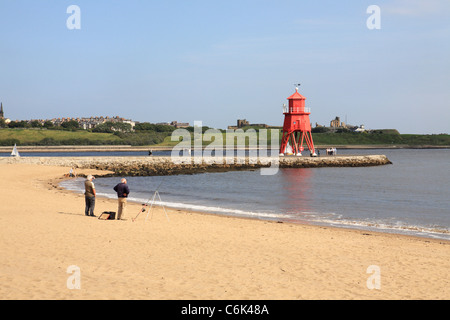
(349,138)
(209,138)
(45,137)
(54,137)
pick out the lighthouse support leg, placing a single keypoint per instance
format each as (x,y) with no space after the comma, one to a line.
(284,141)
(301,142)
(309,142)
(294,144)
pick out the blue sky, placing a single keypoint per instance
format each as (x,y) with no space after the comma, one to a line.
(218,61)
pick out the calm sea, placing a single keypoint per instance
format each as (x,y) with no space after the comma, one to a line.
(410,196)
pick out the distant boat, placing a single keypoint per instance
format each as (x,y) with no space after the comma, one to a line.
(289,150)
(15,153)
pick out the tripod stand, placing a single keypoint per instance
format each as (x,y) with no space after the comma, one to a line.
(152,200)
(151,205)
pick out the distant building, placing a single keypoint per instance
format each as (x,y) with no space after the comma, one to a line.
(2,114)
(336,123)
(178,125)
(241,123)
(359,129)
(175,124)
(86,123)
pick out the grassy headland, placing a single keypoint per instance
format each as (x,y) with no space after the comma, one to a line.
(44,137)
(411,140)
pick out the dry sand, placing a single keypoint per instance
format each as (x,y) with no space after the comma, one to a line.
(195,256)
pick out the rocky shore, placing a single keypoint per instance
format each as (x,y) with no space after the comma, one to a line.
(152,166)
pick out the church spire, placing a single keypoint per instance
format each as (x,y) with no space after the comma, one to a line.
(1,110)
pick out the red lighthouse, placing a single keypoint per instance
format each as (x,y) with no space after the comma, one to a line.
(297,127)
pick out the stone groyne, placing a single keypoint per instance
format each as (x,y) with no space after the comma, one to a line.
(152,166)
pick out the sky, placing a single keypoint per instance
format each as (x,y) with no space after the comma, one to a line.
(219,61)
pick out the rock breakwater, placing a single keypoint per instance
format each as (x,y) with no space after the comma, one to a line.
(152,166)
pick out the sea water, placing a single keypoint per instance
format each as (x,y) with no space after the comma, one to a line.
(411,196)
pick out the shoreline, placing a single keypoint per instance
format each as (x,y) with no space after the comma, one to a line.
(408,231)
(121,148)
(195,255)
(55,183)
(160,166)
(358,228)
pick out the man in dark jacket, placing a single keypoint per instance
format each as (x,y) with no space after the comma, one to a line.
(122,194)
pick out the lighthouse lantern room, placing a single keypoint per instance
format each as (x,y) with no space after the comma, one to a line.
(297,127)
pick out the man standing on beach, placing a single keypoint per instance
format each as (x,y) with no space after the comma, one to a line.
(89,196)
(122,194)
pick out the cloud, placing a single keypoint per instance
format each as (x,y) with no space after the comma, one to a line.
(416,8)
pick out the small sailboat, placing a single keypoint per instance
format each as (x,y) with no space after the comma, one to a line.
(15,153)
(289,150)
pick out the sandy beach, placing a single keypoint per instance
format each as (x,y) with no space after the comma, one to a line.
(195,256)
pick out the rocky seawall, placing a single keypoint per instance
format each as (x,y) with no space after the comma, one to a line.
(151,166)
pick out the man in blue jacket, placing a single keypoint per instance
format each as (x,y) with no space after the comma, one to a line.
(122,194)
